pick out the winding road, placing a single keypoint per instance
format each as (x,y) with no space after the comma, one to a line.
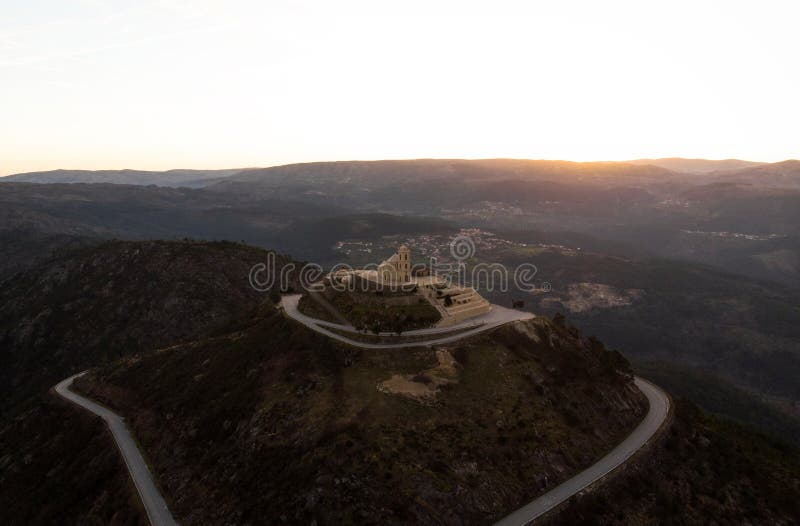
(158,513)
(647,428)
(494,318)
(153,502)
(656,416)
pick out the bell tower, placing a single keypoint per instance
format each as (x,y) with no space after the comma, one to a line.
(404,263)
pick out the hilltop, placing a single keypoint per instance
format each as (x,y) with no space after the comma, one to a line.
(274,420)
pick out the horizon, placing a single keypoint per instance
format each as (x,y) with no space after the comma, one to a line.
(210,85)
(243,168)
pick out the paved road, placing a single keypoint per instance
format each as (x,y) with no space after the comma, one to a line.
(655,418)
(153,502)
(494,318)
(659,407)
(656,415)
(159,514)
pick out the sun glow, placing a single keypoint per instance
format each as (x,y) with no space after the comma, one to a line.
(165,84)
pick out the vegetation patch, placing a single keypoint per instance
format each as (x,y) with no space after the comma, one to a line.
(383,312)
(704,471)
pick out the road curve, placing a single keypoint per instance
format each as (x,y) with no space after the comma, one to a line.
(656,416)
(159,514)
(153,502)
(494,318)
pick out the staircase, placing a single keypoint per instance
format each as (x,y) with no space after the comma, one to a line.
(466,303)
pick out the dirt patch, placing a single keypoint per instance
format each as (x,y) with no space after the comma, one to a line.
(527,329)
(582,297)
(424,386)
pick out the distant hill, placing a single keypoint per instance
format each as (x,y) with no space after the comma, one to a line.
(50,216)
(417,170)
(188,178)
(428,185)
(39,219)
(785,174)
(697,166)
(431,169)
(703,217)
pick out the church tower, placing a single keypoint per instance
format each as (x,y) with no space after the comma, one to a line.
(403,263)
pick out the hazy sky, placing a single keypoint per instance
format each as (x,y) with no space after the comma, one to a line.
(211,84)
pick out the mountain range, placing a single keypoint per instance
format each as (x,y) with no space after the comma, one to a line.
(734,168)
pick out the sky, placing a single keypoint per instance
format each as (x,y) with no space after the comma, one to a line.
(105,84)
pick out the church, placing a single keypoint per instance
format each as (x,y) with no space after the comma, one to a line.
(455,303)
(396,269)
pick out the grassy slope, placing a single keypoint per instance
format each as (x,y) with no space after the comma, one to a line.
(82,309)
(705,471)
(722,398)
(741,330)
(59,465)
(309,307)
(277,421)
(368,310)
(100,303)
